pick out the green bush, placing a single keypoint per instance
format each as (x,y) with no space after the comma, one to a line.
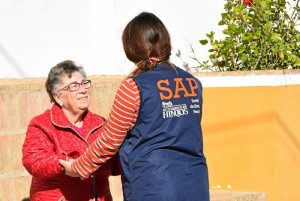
(263,35)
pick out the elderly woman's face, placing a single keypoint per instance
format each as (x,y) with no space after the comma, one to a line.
(75,101)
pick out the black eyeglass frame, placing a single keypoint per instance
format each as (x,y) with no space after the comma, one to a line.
(75,86)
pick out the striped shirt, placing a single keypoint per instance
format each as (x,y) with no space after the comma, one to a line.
(121,119)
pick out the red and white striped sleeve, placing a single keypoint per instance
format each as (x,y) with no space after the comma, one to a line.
(121,119)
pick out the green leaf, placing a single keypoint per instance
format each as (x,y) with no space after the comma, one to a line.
(275,37)
(212,56)
(222,22)
(253,45)
(241,49)
(297,63)
(268,12)
(225,31)
(203,42)
(244,57)
(210,35)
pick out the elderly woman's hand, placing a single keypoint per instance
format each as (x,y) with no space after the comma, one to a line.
(67,167)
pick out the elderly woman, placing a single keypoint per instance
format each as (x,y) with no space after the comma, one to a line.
(63,132)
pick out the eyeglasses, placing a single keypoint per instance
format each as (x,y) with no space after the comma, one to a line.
(74,86)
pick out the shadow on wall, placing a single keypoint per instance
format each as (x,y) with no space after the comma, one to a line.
(25,199)
(292,136)
(12,61)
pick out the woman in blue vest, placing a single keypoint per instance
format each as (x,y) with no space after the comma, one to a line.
(160,146)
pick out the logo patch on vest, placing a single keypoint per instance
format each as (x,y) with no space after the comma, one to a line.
(170,110)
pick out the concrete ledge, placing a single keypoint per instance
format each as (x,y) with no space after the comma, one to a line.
(219,195)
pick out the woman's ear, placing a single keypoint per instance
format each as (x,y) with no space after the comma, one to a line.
(58,99)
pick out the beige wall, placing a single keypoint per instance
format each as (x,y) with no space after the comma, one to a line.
(251,135)
(252,139)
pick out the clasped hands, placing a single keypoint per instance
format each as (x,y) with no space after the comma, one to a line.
(68,167)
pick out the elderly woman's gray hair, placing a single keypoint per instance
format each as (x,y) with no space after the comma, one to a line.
(54,80)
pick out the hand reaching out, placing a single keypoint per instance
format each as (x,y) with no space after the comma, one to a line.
(68,168)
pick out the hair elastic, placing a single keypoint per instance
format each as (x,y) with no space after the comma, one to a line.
(154,59)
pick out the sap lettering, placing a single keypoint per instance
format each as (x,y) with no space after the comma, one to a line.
(167,93)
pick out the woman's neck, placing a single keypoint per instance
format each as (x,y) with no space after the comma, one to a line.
(74,118)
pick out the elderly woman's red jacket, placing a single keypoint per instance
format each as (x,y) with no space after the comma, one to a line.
(50,136)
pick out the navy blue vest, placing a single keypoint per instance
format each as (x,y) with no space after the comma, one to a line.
(162,156)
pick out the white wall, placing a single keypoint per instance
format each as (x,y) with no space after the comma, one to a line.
(37,34)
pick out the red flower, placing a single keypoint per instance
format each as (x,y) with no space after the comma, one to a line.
(248,2)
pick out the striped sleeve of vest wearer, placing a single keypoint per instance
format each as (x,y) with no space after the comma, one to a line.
(121,119)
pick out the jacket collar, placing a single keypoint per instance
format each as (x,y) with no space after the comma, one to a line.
(90,120)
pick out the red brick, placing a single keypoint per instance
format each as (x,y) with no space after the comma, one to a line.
(14,188)
(3,112)
(25,117)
